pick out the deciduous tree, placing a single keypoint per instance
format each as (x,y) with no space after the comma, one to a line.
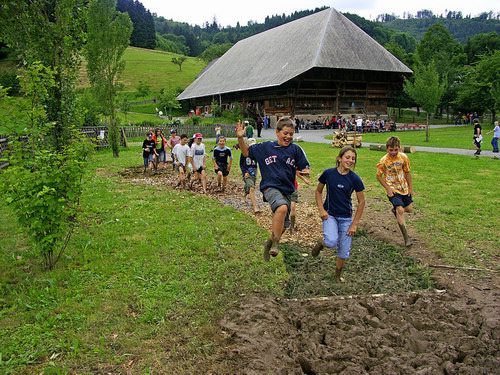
(426,90)
(108,35)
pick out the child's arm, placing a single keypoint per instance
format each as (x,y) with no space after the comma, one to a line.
(360,195)
(388,189)
(230,164)
(319,201)
(240,133)
(409,180)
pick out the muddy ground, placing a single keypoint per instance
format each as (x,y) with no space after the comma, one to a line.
(452,328)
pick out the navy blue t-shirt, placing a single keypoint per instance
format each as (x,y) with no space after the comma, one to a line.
(339,189)
(247,164)
(278,164)
(221,155)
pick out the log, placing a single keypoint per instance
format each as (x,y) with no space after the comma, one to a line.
(406,149)
(461,268)
(409,149)
(377,147)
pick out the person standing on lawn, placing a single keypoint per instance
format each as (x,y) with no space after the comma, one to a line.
(278,162)
(478,137)
(393,173)
(336,209)
(494,140)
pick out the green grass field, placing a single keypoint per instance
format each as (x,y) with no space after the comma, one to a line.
(142,274)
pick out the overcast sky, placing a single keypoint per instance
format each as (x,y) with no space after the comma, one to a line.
(228,12)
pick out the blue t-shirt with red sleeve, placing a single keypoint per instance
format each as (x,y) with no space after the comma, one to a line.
(278,164)
(339,188)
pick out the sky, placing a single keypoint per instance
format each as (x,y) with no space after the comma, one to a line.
(228,12)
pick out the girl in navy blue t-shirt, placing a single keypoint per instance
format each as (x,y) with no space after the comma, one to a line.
(336,210)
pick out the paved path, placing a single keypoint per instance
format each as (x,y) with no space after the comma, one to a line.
(318,136)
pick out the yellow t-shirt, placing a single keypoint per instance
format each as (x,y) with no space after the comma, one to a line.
(393,169)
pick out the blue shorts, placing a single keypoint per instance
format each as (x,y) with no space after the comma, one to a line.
(400,200)
(335,235)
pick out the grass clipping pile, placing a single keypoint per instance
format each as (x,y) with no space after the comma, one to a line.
(384,320)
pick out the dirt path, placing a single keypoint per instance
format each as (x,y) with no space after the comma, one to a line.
(454,330)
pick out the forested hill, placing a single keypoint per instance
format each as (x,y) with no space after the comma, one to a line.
(211,40)
(461,29)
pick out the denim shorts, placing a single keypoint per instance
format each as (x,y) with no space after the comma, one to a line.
(162,156)
(335,235)
(400,200)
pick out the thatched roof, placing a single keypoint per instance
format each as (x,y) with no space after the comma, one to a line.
(326,39)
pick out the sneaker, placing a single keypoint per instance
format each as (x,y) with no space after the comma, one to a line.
(316,249)
(267,248)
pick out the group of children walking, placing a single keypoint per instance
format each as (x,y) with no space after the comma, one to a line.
(280,163)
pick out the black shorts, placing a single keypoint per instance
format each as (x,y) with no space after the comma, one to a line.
(400,200)
(223,169)
(199,170)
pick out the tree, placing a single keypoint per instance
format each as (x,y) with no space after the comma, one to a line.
(44,178)
(426,90)
(51,33)
(481,44)
(179,61)
(108,34)
(214,51)
(439,47)
(143,89)
(479,89)
(143,34)
(167,100)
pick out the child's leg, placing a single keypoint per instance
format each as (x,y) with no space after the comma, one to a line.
(278,225)
(224,182)
(344,246)
(219,178)
(293,207)
(253,200)
(203,178)
(182,176)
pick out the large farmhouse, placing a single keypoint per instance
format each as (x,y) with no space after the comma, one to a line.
(321,64)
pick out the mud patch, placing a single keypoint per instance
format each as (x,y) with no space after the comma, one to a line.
(416,333)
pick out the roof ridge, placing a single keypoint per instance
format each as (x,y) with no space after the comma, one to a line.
(322,40)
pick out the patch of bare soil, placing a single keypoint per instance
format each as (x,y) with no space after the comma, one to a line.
(451,330)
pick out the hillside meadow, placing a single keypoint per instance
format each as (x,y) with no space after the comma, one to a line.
(155,68)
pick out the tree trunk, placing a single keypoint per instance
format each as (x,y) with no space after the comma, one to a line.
(427,129)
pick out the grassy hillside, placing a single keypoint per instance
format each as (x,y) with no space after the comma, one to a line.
(156,69)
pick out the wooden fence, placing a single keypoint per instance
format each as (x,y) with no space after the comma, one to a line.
(208,131)
(4,141)
(99,135)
